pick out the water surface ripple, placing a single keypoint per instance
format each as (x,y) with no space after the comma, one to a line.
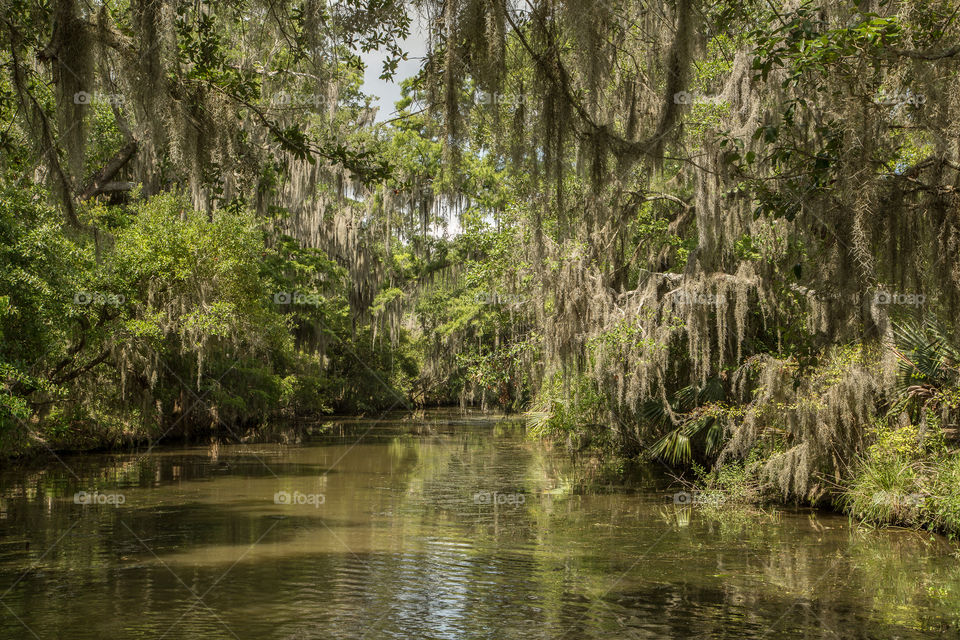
(442,525)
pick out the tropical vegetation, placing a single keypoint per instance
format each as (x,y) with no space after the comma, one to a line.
(722,236)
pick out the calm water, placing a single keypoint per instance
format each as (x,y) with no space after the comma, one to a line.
(438,526)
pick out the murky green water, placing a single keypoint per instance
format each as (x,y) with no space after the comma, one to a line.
(445,526)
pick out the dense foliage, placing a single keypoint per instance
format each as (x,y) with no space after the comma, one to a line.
(717,234)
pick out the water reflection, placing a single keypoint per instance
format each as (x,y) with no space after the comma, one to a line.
(410,540)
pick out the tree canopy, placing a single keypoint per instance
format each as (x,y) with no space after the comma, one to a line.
(701,231)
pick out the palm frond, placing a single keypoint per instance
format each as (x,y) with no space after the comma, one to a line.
(685,399)
(673,448)
(653,411)
(714,436)
(712,391)
(928,358)
(676,446)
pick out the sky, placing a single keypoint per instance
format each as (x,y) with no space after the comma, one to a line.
(388,92)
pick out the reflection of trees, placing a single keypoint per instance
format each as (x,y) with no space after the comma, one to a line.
(848,583)
(400,546)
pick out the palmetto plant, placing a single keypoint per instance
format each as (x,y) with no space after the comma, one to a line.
(688,411)
(929,362)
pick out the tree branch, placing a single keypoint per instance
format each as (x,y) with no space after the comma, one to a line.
(676,65)
(101,181)
(926,55)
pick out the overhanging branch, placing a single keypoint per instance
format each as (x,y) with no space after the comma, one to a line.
(101,183)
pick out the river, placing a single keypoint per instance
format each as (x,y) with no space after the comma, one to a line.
(437,525)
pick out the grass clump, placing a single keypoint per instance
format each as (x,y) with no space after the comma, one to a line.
(907,477)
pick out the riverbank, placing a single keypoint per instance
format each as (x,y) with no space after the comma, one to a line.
(916,490)
(868,429)
(898,482)
(91,438)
